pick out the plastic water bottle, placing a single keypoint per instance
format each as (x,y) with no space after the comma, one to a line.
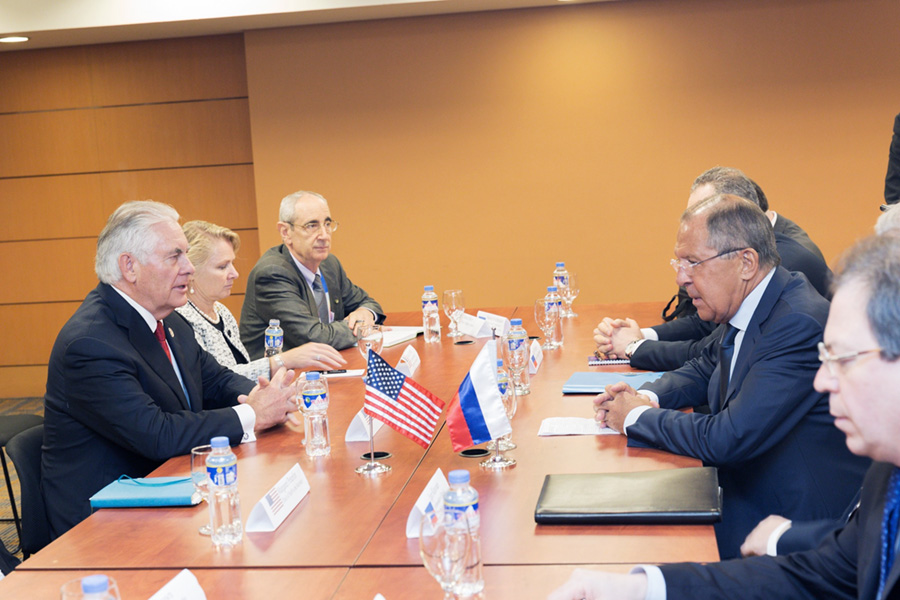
(502,381)
(274,338)
(431,318)
(517,343)
(462,499)
(314,394)
(224,502)
(96,587)
(561,277)
(553,306)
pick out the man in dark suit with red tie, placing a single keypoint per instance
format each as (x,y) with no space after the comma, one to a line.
(860,371)
(127,386)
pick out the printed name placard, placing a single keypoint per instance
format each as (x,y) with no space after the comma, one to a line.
(536,357)
(359,428)
(409,361)
(278,502)
(431,497)
(183,586)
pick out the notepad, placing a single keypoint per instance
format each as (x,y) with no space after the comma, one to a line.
(669,496)
(146,491)
(593,382)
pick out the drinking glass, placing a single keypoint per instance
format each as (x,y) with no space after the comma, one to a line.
(569,293)
(454,306)
(517,363)
(545,321)
(71,590)
(200,477)
(443,549)
(369,337)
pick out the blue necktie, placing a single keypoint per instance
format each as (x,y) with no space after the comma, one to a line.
(889,529)
(726,352)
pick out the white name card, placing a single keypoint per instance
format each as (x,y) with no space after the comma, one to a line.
(183,586)
(470,325)
(494,323)
(278,502)
(359,428)
(432,497)
(535,358)
(409,361)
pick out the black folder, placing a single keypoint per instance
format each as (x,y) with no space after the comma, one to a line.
(670,496)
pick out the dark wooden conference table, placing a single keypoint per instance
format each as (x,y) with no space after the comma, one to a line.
(346,538)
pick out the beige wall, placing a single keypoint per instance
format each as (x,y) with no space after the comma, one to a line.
(474,151)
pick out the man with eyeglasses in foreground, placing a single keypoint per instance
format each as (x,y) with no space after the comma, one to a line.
(304,286)
(768,431)
(861,373)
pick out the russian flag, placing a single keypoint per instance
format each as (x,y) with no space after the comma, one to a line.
(476,413)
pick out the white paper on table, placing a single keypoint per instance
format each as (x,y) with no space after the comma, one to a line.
(378,597)
(409,361)
(278,503)
(359,428)
(431,497)
(343,373)
(573,426)
(397,334)
(495,323)
(473,326)
(536,357)
(183,586)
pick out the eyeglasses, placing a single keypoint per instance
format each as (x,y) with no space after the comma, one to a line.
(313,226)
(831,361)
(681,263)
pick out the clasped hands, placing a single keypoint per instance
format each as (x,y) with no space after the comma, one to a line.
(617,400)
(272,400)
(613,335)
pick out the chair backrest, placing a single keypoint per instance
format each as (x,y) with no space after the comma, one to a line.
(25,451)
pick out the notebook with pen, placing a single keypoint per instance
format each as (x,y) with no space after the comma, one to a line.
(593,382)
(670,496)
(126,492)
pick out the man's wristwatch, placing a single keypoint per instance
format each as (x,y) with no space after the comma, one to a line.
(631,347)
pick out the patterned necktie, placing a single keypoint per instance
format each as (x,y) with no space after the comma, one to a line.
(726,352)
(319,295)
(889,529)
(161,337)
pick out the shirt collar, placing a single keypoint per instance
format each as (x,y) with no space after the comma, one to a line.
(308,275)
(145,314)
(741,319)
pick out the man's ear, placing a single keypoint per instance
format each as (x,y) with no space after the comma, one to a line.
(749,263)
(129,267)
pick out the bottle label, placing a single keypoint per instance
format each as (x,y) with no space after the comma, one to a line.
(223,474)
(314,399)
(503,384)
(429,305)
(454,513)
(274,340)
(515,344)
(561,280)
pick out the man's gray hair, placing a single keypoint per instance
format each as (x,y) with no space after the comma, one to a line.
(289,202)
(889,221)
(733,222)
(127,230)
(875,263)
(727,180)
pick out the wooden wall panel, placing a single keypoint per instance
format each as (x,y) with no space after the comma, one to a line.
(44,79)
(82,203)
(172,135)
(23,382)
(47,270)
(43,143)
(142,72)
(38,324)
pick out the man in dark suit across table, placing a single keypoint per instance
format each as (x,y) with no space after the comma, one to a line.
(769,432)
(128,387)
(861,372)
(304,286)
(669,345)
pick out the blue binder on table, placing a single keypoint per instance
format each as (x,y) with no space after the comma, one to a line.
(146,491)
(593,382)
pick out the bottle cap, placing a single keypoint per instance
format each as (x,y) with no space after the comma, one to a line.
(219,442)
(274,322)
(515,322)
(551,288)
(429,288)
(94,584)
(458,476)
(560,264)
(312,375)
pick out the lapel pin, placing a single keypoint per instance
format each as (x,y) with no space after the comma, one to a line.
(171,333)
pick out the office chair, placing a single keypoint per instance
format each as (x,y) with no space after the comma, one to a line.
(10,426)
(25,452)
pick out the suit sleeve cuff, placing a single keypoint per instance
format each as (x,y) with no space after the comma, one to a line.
(656,581)
(772,544)
(632,416)
(247,416)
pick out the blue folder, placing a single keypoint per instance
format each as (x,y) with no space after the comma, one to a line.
(146,491)
(593,382)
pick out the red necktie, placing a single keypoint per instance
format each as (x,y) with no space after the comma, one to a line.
(161,336)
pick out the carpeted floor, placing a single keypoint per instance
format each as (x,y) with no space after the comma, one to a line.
(14,406)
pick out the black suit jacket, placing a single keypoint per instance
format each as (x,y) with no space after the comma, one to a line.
(684,338)
(845,566)
(276,289)
(114,405)
(773,439)
(806,535)
(892,178)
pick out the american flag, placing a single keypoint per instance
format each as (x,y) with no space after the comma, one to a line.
(400,402)
(275,502)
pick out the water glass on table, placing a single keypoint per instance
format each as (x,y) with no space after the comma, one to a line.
(454,307)
(443,550)
(200,477)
